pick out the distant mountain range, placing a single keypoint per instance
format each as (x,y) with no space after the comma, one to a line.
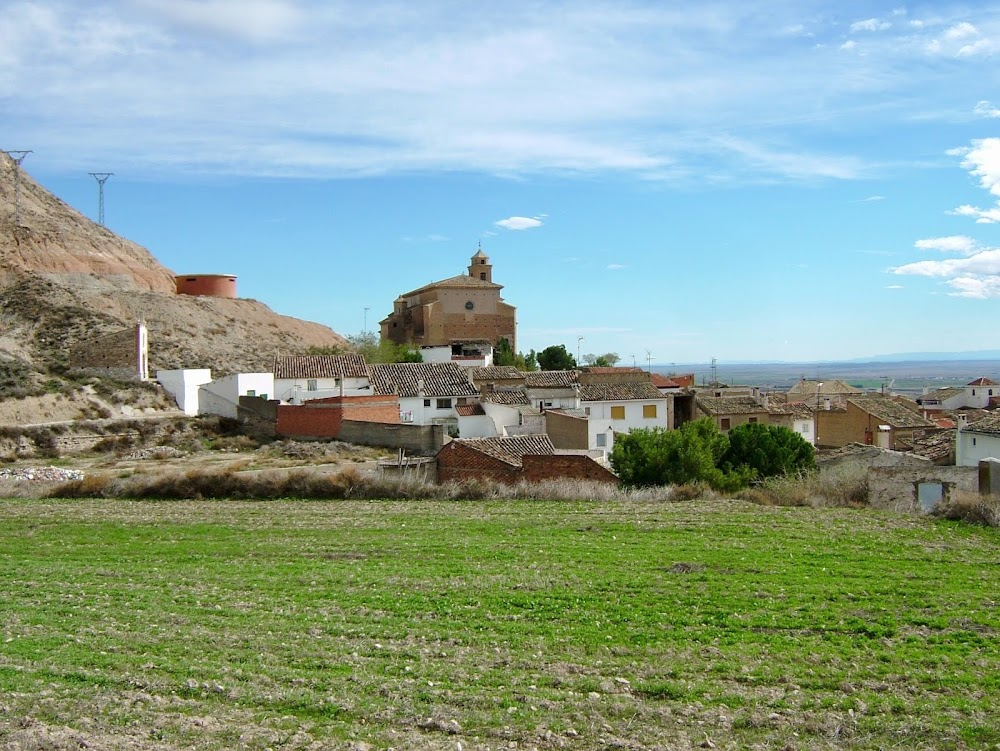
(979,354)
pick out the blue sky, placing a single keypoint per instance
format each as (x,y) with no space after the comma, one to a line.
(791,181)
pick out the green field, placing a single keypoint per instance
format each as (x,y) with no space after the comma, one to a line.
(479,625)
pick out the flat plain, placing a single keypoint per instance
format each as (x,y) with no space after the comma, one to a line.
(494,625)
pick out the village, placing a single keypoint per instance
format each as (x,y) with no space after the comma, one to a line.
(459,415)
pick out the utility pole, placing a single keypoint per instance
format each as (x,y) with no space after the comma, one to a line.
(17,156)
(578,340)
(649,360)
(101,177)
(365,329)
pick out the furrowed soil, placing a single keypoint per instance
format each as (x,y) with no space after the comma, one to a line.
(493,625)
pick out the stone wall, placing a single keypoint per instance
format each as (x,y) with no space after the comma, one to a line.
(897,488)
(424,440)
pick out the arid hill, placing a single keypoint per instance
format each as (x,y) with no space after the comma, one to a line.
(65,279)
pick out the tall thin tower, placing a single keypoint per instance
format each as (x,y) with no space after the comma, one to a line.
(101,177)
(17,156)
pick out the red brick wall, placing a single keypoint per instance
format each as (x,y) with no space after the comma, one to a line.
(321,418)
(564,466)
(458,462)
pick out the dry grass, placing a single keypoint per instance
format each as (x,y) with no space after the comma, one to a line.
(841,487)
(970,507)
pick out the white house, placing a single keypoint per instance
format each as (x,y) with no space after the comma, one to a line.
(428,392)
(974,395)
(222,396)
(553,389)
(304,377)
(620,408)
(466,354)
(978,440)
(183,386)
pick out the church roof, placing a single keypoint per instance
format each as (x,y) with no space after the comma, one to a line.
(462,281)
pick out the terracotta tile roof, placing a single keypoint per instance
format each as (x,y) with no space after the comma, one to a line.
(983,382)
(807,389)
(497,373)
(321,366)
(619,392)
(662,382)
(988,424)
(889,411)
(729,405)
(440,379)
(510,449)
(551,378)
(460,281)
(798,409)
(936,446)
(470,410)
(506,396)
(601,370)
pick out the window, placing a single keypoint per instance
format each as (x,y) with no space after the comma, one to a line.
(602,440)
(725,423)
(586,411)
(311,385)
(618,413)
(929,494)
(649,411)
(548,404)
(482,275)
(251,392)
(444,403)
(427,402)
(752,420)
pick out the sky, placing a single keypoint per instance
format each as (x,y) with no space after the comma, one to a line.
(779,181)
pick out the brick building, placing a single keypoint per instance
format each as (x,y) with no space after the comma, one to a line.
(511,459)
(462,309)
(322,418)
(873,420)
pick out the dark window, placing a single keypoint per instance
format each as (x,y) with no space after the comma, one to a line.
(444,403)
(482,276)
(427,402)
(752,420)
(725,423)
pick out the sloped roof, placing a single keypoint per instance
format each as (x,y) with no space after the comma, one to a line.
(729,405)
(497,373)
(988,424)
(321,366)
(509,449)
(796,409)
(806,389)
(551,378)
(619,392)
(936,446)
(662,382)
(611,370)
(506,396)
(983,381)
(889,411)
(455,282)
(470,410)
(439,379)
(945,392)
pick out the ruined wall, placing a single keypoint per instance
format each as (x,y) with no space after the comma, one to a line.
(897,488)
(424,440)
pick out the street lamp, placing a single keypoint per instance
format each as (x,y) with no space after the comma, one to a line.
(578,340)
(816,416)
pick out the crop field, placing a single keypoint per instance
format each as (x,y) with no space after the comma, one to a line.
(494,625)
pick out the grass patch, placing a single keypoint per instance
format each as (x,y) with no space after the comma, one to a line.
(421,624)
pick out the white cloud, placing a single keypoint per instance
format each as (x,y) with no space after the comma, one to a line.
(518,222)
(984,47)
(256,21)
(951,244)
(979,288)
(873,198)
(850,44)
(985,109)
(870,24)
(984,263)
(961,31)
(982,216)
(615,266)
(894,286)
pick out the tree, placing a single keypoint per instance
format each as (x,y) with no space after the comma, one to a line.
(660,457)
(504,355)
(556,358)
(376,350)
(766,450)
(607,360)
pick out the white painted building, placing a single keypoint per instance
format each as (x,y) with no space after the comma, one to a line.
(977,441)
(300,378)
(222,396)
(620,408)
(183,386)
(464,354)
(429,393)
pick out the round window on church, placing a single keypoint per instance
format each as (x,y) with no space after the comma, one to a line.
(469,305)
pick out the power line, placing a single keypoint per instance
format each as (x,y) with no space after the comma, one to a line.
(101,177)
(17,156)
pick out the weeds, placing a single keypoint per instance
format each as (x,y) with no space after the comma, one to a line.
(970,507)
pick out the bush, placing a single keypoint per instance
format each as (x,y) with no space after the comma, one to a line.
(970,507)
(760,451)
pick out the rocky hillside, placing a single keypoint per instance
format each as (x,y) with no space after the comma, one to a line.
(65,279)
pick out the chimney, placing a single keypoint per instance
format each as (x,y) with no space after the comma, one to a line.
(420,387)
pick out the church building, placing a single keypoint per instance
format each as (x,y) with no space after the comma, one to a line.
(456,311)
